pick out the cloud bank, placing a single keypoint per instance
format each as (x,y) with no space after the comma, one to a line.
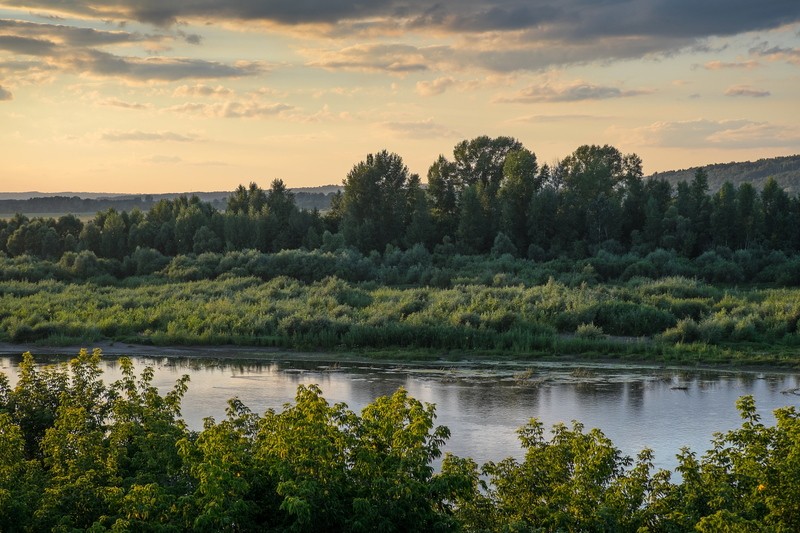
(523,34)
(570,18)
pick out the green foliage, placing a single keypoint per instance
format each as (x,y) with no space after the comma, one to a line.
(379,198)
(403,299)
(595,199)
(118,457)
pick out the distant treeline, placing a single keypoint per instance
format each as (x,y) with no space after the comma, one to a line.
(75,204)
(491,197)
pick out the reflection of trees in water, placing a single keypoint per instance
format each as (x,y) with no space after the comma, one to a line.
(598,391)
(365,391)
(633,395)
(494,397)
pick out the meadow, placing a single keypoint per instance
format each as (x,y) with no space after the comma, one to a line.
(406,304)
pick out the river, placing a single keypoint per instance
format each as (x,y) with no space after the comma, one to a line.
(483,404)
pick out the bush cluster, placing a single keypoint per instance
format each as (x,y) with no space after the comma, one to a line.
(79,454)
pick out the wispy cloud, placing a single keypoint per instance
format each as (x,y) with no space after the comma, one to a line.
(746,90)
(777,53)
(434,87)
(232,109)
(162,159)
(147,136)
(391,58)
(558,118)
(202,90)
(728,134)
(73,36)
(573,92)
(116,102)
(722,65)
(5,94)
(102,64)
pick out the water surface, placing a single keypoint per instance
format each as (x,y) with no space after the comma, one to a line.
(483,405)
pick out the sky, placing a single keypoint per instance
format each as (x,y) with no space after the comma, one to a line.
(203,95)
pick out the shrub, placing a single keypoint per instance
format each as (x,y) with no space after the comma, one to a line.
(685,331)
(589,331)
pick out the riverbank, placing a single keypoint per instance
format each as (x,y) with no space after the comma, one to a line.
(742,362)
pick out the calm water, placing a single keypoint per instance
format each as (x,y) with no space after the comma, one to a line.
(484,405)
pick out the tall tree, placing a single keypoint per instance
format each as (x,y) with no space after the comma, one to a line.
(777,216)
(521,181)
(748,216)
(378,201)
(589,173)
(700,211)
(473,233)
(443,191)
(723,216)
(481,161)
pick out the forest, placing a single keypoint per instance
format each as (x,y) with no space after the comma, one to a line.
(494,255)
(79,454)
(492,196)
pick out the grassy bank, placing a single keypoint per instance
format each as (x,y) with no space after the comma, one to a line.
(671,320)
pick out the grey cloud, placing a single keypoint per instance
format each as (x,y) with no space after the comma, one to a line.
(513,15)
(71,35)
(26,45)
(570,93)
(777,53)
(192,38)
(5,94)
(575,19)
(542,33)
(73,48)
(128,136)
(157,68)
(538,55)
(746,90)
(47,16)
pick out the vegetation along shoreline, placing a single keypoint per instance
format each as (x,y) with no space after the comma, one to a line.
(497,256)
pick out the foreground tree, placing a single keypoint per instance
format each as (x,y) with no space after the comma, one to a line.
(119,458)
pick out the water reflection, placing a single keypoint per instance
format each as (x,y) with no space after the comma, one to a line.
(483,405)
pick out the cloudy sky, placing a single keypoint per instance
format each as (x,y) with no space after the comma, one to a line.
(190,95)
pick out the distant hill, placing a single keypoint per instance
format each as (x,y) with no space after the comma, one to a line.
(54,204)
(785,170)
